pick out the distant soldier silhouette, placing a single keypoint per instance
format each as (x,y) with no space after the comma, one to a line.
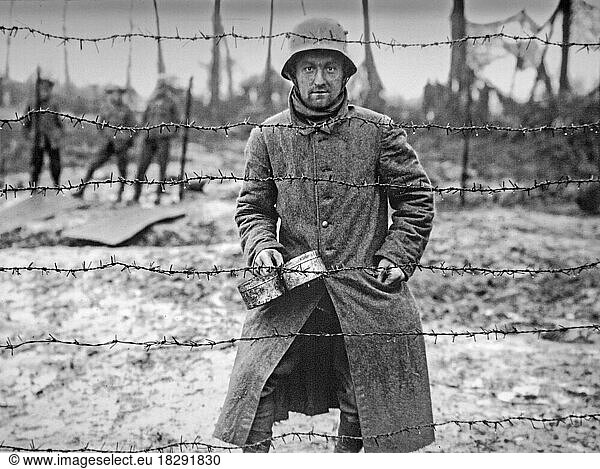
(162,107)
(117,112)
(49,133)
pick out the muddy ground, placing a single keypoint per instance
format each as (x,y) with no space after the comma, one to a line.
(61,396)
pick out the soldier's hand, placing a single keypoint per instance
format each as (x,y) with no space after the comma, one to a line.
(265,259)
(389,273)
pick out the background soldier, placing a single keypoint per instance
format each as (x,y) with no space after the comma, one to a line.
(162,107)
(115,111)
(379,382)
(49,134)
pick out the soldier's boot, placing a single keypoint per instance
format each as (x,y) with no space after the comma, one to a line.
(257,442)
(349,427)
(120,193)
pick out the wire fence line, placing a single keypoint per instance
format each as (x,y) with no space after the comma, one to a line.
(102,124)
(13,31)
(194,272)
(494,333)
(537,423)
(476,188)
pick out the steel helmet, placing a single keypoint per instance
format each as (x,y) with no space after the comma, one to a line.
(317,34)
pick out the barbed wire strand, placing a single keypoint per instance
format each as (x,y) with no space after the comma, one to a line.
(489,334)
(151,267)
(477,188)
(200,36)
(543,423)
(102,124)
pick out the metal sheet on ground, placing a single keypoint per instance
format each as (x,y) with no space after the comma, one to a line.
(118,225)
(34,208)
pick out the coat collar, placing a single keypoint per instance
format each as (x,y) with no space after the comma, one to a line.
(326,127)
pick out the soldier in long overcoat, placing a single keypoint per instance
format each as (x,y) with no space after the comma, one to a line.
(49,135)
(162,108)
(378,381)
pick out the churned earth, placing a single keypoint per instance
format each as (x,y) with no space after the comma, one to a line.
(62,396)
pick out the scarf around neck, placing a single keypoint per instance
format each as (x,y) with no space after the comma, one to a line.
(311,116)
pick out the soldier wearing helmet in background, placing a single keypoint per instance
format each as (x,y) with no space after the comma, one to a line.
(117,112)
(378,381)
(49,134)
(162,107)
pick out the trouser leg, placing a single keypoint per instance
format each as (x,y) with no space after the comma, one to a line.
(100,160)
(37,160)
(145,159)
(349,421)
(55,166)
(262,425)
(164,146)
(122,166)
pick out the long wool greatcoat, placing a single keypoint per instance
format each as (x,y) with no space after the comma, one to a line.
(348,226)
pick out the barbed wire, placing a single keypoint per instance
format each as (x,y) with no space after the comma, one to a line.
(194,272)
(102,124)
(493,333)
(477,188)
(200,36)
(495,424)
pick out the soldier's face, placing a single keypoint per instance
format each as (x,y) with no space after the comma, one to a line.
(45,92)
(319,77)
(115,99)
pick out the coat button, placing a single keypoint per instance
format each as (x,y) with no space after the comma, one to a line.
(325,224)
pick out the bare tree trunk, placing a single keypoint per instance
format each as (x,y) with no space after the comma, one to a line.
(542,75)
(467,99)
(186,131)
(303,9)
(161,62)
(64,28)
(36,103)
(229,68)
(3,157)
(459,82)
(6,64)
(373,99)
(215,70)
(267,87)
(128,76)
(458,57)
(565,7)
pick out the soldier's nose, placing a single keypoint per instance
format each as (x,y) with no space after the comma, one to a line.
(319,79)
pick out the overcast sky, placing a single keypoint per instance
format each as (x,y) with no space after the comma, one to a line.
(404,71)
